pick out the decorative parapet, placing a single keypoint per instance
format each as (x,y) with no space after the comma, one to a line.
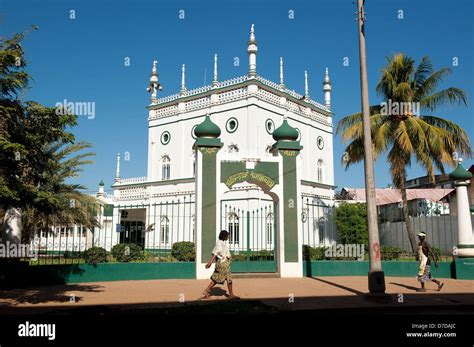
(125,181)
(132,193)
(223,93)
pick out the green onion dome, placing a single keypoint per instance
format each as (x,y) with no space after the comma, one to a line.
(460,173)
(207,129)
(101,183)
(285,132)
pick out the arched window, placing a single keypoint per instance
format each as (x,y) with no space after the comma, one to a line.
(320,167)
(321,229)
(269,228)
(164,230)
(165,168)
(233,228)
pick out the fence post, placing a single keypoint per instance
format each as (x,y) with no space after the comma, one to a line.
(248,235)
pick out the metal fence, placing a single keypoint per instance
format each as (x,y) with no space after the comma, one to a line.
(319,228)
(154,227)
(252,232)
(317,219)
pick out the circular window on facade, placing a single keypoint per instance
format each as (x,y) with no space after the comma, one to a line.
(320,142)
(269,126)
(232,125)
(299,134)
(165,138)
(192,132)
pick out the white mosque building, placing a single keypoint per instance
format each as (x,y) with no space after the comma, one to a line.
(158,209)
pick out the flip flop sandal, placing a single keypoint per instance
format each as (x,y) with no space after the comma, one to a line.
(440,286)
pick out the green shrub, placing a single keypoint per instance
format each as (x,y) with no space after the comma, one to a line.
(263,255)
(125,252)
(436,252)
(183,251)
(72,255)
(239,257)
(351,223)
(313,253)
(390,253)
(166,259)
(95,255)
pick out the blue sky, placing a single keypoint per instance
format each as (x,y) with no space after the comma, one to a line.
(82,59)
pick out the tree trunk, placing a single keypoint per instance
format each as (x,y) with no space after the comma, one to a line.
(406,217)
(11,231)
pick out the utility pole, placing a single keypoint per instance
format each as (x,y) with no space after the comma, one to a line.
(376,276)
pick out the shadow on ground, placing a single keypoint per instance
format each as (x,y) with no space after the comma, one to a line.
(56,294)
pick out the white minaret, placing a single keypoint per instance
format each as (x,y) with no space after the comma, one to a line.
(327,90)
(282,80)
(215,82)
(101,192)
(117,172)
(182,92)
(252,51)
(306,89)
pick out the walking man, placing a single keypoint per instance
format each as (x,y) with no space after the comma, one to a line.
(424,254)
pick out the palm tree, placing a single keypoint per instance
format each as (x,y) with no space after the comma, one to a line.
(427,139)
(64,203)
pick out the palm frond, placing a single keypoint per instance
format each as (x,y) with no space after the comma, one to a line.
(450,95)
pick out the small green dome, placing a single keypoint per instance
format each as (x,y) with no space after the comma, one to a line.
(207,129)
(101,183)
(460,173)
(472,208)
(285,132)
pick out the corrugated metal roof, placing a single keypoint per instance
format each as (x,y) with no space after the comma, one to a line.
(386,196)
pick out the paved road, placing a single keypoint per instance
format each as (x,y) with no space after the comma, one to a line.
(283,294)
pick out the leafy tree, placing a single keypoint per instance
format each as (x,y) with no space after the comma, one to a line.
(351,223)
(38,154)
(406,136)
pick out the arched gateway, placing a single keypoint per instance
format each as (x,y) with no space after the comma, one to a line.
(266,245)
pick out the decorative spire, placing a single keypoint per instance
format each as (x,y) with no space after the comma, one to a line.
(282,80)
(327,90)
(183,81)
(215,82)
(154,86)
(117,172)
(252,52)
(306,89)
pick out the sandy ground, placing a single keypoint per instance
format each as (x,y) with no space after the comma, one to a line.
(283,293)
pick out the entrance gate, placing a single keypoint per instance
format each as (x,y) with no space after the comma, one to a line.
(252,236)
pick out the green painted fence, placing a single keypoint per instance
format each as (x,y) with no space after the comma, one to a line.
(361,268)
(19,274)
